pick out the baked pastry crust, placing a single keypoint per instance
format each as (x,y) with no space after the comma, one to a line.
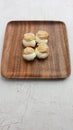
(42,34)
(28,50)
(29,36)
(43,48)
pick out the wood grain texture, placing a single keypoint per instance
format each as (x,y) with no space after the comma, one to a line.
(57,65)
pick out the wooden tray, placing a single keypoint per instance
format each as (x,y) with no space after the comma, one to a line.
(57,65)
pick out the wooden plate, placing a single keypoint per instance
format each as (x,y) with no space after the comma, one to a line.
(57,65)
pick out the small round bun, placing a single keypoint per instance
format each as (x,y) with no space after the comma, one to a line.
(29,54)
(29,43)
(42,34)
(29,40)
(42,37)
(42,51)
(38,40)
(29,36)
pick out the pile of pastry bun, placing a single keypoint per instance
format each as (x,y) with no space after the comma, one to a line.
(35,45)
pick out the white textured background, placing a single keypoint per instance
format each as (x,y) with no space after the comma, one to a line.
(33,104)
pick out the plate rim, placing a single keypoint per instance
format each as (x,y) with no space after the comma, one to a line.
(5,75)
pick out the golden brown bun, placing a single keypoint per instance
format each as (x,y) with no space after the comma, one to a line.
(42,34)
(28,50)
(29,36)
(43,48)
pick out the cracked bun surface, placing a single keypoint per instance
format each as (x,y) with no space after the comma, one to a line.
(42,36)
(29,53)
(42,51)
(29,40)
